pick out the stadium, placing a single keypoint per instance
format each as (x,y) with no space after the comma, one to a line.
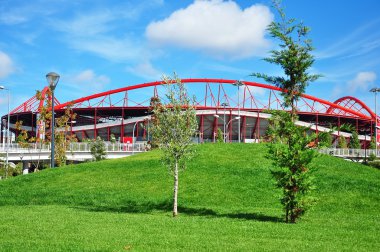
(237,108)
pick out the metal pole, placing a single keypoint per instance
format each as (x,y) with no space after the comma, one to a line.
(8,140)
(365,147)
(375,125)
(133,138)
(224,124)
(52,129)
(239,112)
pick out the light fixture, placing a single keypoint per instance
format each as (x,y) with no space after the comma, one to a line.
(52,79)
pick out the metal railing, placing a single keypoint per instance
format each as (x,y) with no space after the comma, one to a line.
(353,153)
(74,147)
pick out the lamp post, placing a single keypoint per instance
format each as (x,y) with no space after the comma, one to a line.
(238,84)
(52,79)
(133,137)
(8,136)
(224,104)
(375,90)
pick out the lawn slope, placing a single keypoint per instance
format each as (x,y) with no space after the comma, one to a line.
(227,202)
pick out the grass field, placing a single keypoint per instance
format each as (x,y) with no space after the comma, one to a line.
(227,202)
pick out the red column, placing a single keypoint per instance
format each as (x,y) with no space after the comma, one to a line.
(122,125)
(95,124)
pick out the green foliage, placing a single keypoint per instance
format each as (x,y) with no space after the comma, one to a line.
(372,144)
(294,57)
(289,143)
(346,127)
(342,142)
(291,158)
(372,157)
(354,141)
(324,139)
(98,149)
(174,125)
(219,136)
(62,138)
(11,170)
(112,138)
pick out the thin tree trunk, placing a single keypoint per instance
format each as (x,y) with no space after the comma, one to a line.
(175,197)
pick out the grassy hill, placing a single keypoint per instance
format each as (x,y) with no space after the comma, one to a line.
(227,202)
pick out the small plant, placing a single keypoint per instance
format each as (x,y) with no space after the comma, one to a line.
(112,138)
(98,149)
(372,144)
(219,136)
(372,157)
(354,141)
(324,140)
(342,143)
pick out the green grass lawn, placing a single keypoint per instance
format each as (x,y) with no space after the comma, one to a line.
(227,202)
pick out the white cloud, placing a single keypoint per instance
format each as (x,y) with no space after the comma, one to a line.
(361,41)
(6,65)
(216,27)
(146,70)
(362,81)
(87,82)
(93,33)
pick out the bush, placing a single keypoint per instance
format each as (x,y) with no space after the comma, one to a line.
(98,149)
(375,164)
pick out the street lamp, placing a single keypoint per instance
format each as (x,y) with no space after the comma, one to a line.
(238,84)
(224,104)
(52,79)
(8,137)
(375,90)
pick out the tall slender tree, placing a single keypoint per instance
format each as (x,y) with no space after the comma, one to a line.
(289,150)
(174,125)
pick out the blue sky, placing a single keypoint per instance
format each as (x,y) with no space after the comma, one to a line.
(101,45)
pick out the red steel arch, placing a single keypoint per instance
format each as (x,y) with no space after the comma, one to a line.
(338,107)
(353,104)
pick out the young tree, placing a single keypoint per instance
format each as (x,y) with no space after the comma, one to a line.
(291,159)
(325,139)
(98,149)
(342,142)
(61,136)
(372,144)
(290,155)
(174,125)
(354,141)
(219,136)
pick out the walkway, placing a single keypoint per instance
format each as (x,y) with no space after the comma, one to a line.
(75,152)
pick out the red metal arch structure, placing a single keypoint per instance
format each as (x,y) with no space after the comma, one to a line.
(353,104)
(130,101)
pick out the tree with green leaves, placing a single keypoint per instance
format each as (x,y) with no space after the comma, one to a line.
(219,136)
(173,128)
(324,139)
(342,142)
(372,144)
(62,137)
(354,141)
(291,156)
(291,160)
(98,149)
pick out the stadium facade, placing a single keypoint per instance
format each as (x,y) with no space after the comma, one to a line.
(220,104)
